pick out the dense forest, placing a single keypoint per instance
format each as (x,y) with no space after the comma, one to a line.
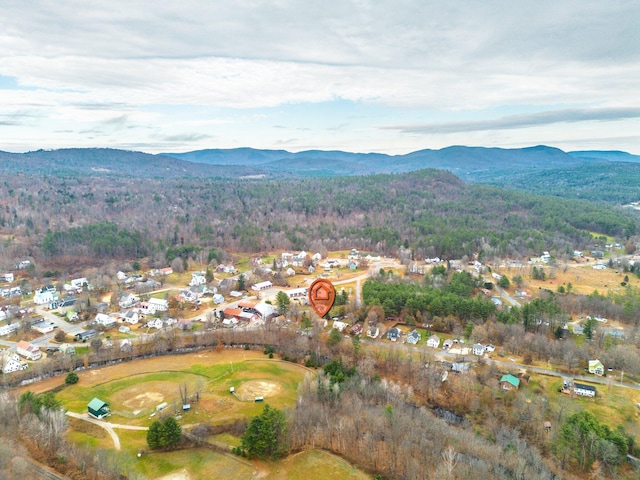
(612,182)
(431,211)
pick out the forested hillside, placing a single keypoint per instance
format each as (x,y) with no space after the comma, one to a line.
(613,182)
(431,211)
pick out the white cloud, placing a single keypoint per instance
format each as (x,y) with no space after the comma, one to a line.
(449,65)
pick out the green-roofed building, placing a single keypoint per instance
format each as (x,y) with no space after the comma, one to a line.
(509,382)
(98,409)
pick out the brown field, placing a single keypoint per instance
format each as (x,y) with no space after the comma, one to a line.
(583,278)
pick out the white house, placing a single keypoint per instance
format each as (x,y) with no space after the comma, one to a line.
(28,350)
(155,305)
(584,390)
(262,286)
(478,349)
(230,322)
(104,319)
(6,277)
(338,325)
(11,362)
(79,282)
(373,332)
(44,297)
(127,300)
(596,367)
(8,329)
(433,341)
(155,323)
(299,258)
(197,279)
(130,316)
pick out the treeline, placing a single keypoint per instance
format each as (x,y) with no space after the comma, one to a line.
(432,212)
(104,240)
(455,299)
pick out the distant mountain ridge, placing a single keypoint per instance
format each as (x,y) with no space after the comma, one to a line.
(475,164)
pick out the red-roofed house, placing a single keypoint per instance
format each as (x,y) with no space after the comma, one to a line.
(28,350)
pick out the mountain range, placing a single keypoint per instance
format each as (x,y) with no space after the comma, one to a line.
(475,164)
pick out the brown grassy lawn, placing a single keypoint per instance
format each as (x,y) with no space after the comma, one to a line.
(314,464)
(583,278)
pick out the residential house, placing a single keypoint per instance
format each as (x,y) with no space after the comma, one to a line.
(43,326)
(98,409)
(44,297)
(230,322)
(125,345)
(84,336)
(354,254)
(6,277)
(478,349)
(356,329)
(155,305)
(127,300)
(156,323)
(413,337)
(105,320)
(9,329)
(584,390)
(433,341)
(578,329)
(11,362)
(373,332)
(393,334)
(460,367)
(448,343)
(197,278)
(298,259)
(261,286)
(130,316)
(509,382)
(67,349)
(489,348)
(340,326)
(218,299)
(297,292)
(596,367)
(72,316)
(28,350)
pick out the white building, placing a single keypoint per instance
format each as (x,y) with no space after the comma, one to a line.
(433,341)
(197,279)
(28,350)
(104,319)
(44,297)
(155,305)
(8,329)
(11,362)
(262,286)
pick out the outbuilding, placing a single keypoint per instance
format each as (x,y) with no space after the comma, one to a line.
(98,409)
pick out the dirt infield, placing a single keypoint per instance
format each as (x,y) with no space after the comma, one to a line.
(257,388)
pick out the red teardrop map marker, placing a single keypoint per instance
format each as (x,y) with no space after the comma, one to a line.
(322,294)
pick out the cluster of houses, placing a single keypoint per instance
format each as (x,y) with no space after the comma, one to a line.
(12,362)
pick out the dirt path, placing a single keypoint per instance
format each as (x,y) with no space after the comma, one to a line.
(109,427)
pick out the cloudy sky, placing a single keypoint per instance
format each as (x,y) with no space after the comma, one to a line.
(356,75)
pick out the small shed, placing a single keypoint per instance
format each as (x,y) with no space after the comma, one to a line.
(98,409)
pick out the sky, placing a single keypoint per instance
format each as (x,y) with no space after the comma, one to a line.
(354,75)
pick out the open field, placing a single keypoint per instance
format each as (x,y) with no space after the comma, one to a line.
(135,389)
(584,279)
(312,464)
